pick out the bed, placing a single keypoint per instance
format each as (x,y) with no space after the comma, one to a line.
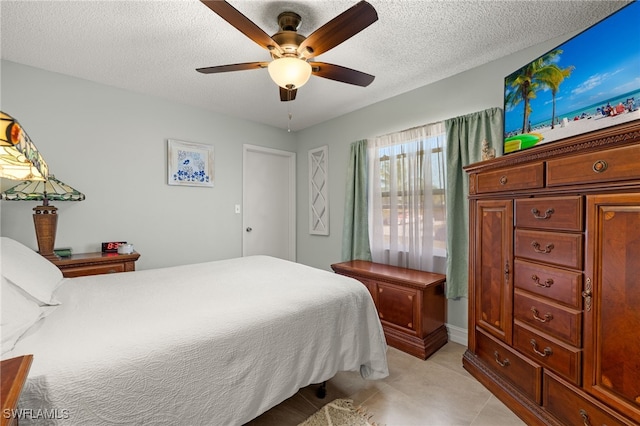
(211,343)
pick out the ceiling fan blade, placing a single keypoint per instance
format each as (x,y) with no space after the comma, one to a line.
(241,23)
(342,74)
(233,67)
(339,29)
(287,94)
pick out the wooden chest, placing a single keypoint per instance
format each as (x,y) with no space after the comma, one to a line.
(411,304)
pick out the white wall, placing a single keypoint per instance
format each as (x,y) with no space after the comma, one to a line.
(111,145)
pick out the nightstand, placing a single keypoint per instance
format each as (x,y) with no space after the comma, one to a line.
(81,264)
(13,374)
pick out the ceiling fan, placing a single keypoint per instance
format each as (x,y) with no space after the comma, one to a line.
(291,52)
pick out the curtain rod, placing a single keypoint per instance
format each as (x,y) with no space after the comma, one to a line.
(492,110)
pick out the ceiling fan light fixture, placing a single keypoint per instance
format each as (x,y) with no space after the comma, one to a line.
(289,73)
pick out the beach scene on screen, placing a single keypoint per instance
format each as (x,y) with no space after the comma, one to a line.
(590,82)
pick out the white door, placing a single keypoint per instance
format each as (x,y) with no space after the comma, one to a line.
(268,198)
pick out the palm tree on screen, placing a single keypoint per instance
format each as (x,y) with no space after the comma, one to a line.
(526,82)
(554,79)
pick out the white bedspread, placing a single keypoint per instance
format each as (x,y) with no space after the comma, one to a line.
(214,343)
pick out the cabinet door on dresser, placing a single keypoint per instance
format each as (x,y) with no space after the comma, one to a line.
(612,302)
(493,260)
(398,306)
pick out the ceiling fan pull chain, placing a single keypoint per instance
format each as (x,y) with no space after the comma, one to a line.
(290,115)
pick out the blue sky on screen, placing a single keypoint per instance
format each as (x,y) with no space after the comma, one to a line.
(606,58)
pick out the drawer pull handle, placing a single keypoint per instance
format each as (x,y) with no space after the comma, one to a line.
(547,214)
(586,295)
(546,351)
(503,180)
(537,249)
(547,283)
(600,166)
(585,417)
(503,363)
(547,317)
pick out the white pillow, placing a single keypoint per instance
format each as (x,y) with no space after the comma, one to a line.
(28,270)
(19,312)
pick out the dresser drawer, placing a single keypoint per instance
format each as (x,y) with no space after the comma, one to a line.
(559,357)
(82,264)
(561,285)
(525,177)
(550,247)
(558,213)
(555,320)
(595,167)
(520,371)
(574,408)
(81,271)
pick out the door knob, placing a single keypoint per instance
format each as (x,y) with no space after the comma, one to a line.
(249,229)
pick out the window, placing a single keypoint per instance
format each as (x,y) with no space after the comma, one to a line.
(407,217)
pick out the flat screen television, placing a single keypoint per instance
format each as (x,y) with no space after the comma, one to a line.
(589,82)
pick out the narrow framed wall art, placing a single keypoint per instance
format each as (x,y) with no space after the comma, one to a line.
(319,191)
(189,164)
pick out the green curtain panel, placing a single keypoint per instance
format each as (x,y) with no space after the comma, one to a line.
(355,232)
(465,135)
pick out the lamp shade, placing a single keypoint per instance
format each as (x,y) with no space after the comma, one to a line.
(19,157)
(289,73)
(36,190)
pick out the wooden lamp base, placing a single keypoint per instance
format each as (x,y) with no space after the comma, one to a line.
(45,219)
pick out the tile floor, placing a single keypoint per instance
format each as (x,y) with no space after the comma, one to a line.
(435,392)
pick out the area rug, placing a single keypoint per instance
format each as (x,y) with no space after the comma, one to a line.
(340,412)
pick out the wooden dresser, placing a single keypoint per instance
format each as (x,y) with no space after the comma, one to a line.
(411,304)
(82,264)
(554,287)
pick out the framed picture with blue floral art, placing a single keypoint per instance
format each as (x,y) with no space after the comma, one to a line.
(189,164)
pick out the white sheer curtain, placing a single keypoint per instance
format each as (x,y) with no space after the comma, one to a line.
(407,217)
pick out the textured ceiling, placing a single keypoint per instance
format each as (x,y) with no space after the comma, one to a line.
(154,47)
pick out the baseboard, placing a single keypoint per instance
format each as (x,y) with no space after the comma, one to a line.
(457,334)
